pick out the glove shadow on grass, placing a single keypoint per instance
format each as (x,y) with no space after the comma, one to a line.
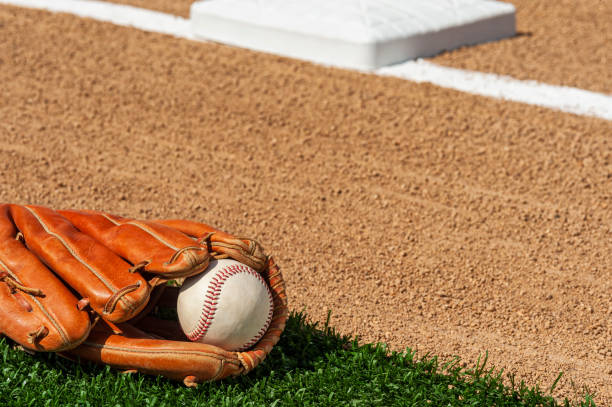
(300,346)
(310,365)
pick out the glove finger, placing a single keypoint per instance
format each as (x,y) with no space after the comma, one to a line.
(221,244)
(157,249)
(36,309)
(87,266)
(134,349)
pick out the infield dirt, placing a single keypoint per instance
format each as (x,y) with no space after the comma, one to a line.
(562,42)
(422,217)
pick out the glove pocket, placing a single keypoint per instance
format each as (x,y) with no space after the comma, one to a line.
(159,347)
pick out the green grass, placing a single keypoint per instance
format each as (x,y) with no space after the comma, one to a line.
(311,365)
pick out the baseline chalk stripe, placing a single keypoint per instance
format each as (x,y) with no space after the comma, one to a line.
(146,20)
(566,99)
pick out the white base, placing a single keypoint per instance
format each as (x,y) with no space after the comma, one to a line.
(359,34)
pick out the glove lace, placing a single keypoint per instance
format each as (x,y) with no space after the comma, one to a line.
(35,336)
(14,285)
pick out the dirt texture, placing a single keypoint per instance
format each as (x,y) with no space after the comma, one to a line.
(560,42)
(177,7)
(564,42)
(422,217)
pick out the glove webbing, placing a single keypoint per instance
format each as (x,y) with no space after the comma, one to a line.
(238,246)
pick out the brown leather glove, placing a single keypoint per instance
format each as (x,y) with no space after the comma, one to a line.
(84,283)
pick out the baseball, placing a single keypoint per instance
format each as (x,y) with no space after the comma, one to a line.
(229,305)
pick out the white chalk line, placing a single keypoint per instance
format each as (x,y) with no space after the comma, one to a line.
(563,98)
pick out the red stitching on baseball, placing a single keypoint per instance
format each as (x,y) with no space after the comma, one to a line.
(210,307)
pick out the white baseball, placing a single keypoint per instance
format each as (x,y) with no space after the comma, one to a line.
(229,305)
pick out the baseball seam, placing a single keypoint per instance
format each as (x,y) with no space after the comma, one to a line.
(209,306)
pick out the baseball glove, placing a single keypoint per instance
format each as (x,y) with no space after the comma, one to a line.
(85,283)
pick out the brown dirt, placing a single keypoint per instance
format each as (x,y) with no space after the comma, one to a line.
(177,7)
(421,216)
(560,42)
